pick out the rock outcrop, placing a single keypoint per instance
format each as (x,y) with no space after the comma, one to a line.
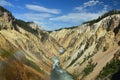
(24,52)
(97,43)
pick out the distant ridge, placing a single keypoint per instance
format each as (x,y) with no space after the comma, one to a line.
(112,12)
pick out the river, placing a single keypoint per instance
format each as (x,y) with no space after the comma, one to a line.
(57,73)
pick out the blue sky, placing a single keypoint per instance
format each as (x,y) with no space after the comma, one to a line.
(55,14)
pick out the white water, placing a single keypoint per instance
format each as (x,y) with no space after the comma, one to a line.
(57,73)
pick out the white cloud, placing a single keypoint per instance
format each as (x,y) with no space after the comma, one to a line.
(91,3)
(42,9)
(46,17)
(33,16)
(36,16)
(88,4)
(5,3)
(82,15)
(105,7)
(77,17)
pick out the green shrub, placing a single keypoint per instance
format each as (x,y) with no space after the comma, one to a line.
(111,68)
(78,56)
(89,68)
(66,28)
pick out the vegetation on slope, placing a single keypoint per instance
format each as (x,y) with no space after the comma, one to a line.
(103,16)
(3,10)
(25,26)
(111,68)
(4,53)
(67,28)
(20,23)
(89,68)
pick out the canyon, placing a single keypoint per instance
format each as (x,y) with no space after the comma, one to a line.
(85,51)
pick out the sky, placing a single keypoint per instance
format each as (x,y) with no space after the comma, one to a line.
(55,14)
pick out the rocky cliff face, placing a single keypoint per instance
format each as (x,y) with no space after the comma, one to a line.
(24,52)
(85,51)
(88,48)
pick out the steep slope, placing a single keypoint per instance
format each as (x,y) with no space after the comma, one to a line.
(89,47)
(25,52)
